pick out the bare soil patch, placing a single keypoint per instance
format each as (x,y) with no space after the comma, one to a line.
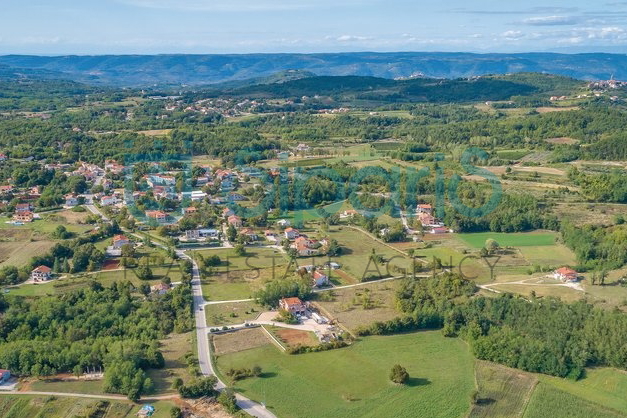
(244,339)
(295,337)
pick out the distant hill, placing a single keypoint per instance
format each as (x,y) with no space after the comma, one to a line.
(147,70)
(350,88)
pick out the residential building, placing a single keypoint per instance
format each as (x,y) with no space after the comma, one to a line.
(71,200)
(119,241)
(283,223)
(235,220)
(41,274)
(23,207)
(439,230)
(108,200)
(319,279)
(249,233)
(291,233)
(160,288)
(293,305)
(23,217)
(566,274)
(226,212)
(3,157)
(157,215)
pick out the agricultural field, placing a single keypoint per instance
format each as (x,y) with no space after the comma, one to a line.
(354,381)
(549,401)
(241,340)
(501,391)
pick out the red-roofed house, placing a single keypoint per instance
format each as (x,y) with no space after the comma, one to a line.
(291,233)
(3,157)
(566,274)
(119,241)
(292,305)
(23,217)
(235,220)
(157,215)
(319,279)
(41,274)
(23,207)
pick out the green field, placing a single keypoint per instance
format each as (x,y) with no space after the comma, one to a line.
(354,382)
(548,401)
(477,240)
(21,406)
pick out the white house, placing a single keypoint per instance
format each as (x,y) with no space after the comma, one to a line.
(108,200)
(41,274)
(119,241)
(319,279)
(71,200)
(283,223)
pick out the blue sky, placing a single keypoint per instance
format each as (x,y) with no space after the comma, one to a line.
(243,26)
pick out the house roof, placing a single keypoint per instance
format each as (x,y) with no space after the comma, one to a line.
(566,271)
(43,269)
(318,275)
(292,301)
(120,238)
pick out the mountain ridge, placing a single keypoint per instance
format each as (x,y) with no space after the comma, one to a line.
(198,69)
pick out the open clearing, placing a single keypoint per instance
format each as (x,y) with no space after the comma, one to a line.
(354,381)
(294,337)
(244,339)
(502,392)
(20,406)
(477,240)
(548,401)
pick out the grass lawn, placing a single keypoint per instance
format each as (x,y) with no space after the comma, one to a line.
(603,386)
(523,239)
(354,381)
(231,313)
(23,406)
(357,250)
(504,392)
(557,255)
(255,258)
(20,253)
(548,401)
(361,305)
(93,387)
(174,348)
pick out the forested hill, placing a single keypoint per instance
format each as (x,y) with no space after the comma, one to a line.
(350,88)
(146,70)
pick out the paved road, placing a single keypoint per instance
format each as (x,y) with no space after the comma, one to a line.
(204,350)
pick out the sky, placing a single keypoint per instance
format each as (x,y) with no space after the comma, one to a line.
(59,27)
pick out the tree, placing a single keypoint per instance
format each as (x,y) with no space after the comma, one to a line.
(144,272)
(175,412)
(128,250)
(491,245)
(144,288)
(227,400)
(399,374)
(240,250)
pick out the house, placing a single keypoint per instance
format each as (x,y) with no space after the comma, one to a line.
(23,207)
(160,288)
(41,274)
(146,411)
(119,241)
(319,279)
(283,223)
(108,200)
(270,235)
(235,220)
(157,215)
(429,220)
(190,210)
(23,217)
(425,208)
(3,157)
(349,213)
(226,212)
(566,274)
(201,233)
(304,247)
(439,230)
(5,375)
(198,196)
(6,189)
(236,197)
(249,233)
(294,306)
(71,200)
(291,233)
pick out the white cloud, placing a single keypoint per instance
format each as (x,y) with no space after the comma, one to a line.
(353,38)
(512,35)
(551,20)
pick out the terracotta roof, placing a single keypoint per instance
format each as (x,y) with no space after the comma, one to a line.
(43,269)
(292,301)
(565,271)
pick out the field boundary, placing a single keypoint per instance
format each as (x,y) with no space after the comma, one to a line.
(274,339)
